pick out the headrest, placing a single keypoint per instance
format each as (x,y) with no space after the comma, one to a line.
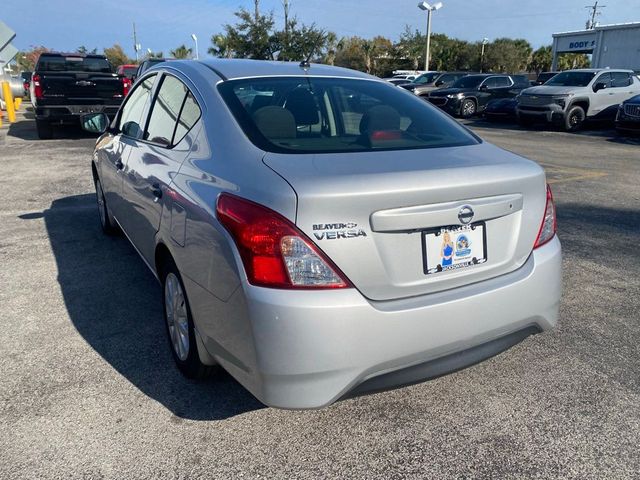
(301,103)
(275,122)
(380,117)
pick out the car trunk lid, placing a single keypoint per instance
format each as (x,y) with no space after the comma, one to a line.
(368,211)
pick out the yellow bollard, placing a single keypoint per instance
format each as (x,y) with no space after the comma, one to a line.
(8,100)
(17,101)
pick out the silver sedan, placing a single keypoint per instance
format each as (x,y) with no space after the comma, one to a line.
(320,233)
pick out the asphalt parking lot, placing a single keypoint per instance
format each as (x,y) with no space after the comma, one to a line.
(89,389)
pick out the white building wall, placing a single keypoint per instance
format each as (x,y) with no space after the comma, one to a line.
(618,48)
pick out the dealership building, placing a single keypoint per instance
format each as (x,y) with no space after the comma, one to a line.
(615,46)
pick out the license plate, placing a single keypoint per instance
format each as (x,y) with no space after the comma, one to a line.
(454,247)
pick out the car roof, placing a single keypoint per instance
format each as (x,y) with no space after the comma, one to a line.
(598,70)
(229,69)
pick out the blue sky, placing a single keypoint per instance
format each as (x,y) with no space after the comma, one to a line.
(164,24)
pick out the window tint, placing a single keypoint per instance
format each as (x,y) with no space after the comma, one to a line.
(495,82)
(131,120)
(571,79)
(604,78)
(188,117)
(324,115)
(165,111)
(620,79)
(55,63)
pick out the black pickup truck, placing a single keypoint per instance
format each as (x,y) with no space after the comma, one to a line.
(65,86)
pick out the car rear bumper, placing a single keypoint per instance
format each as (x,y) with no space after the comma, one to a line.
(306,349)
(71,113)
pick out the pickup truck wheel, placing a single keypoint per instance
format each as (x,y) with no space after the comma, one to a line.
(179,324)
(574,119)
(468,108)
(45,130)
(108,227)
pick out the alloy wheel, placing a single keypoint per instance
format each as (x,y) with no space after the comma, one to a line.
(176,315)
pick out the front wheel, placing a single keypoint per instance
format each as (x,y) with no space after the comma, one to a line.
(574,119)
(179,325)
(468,108)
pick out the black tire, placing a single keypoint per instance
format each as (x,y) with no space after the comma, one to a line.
(574,119)
(468,108)
(108,226)
(190,365)
(44,129)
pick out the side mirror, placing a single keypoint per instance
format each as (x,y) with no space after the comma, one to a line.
(439,82)
(599,86)
(95,122)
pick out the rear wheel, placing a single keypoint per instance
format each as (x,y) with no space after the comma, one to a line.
(45,130)
(179,325)
(108,226)
(468,108)
(574,119)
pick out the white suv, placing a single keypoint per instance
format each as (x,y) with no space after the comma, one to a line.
(573,96)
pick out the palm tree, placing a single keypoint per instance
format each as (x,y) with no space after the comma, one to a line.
(182,52)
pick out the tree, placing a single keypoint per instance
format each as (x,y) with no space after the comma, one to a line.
(181,52)
(350,54)
(251,37)
(412,47)
(117,56)
(84,50)
(507,55)
(298,43)
(27,60)
(541,60)
(567,61)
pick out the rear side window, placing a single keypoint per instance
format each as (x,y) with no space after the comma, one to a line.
(71,63)
(620,79)
(323,115)
(173,113)
(495,82)
(130,123)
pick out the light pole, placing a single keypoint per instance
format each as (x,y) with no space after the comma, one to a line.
(485,41)
(195,39)
(428,8)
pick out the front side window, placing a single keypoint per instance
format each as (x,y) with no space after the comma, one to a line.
(605,78)
(130,123)
(470,81)
(323,115)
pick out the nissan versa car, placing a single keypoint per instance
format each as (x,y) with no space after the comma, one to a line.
(320,233)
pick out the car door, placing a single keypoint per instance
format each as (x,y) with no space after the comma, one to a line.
(622,86)
(502,85)
(484,91)
(155,160)
(115,154)
(604,97)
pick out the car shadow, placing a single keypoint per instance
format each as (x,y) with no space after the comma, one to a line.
(114,303)
(26,130)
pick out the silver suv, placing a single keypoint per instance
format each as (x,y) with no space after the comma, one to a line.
(573,96)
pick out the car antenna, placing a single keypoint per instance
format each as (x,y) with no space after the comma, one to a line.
(305,65)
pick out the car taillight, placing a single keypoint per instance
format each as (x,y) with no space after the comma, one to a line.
(126,86)
(549,226)
(37,88)
(275,253)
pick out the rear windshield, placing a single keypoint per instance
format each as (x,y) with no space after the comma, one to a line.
(73,64)
(571,79)
(129,71)
(322,115)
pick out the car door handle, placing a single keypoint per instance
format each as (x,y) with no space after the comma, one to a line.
(156,191)
(119,164)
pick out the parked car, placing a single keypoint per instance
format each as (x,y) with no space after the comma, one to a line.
(147,64)
(397,81)
(574,96)
(67,85)
(501,109)
(469,95)
(424,78)
(542,78)
(628,116)
(320,233)
(128,71)
(441,80)
(26,82)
